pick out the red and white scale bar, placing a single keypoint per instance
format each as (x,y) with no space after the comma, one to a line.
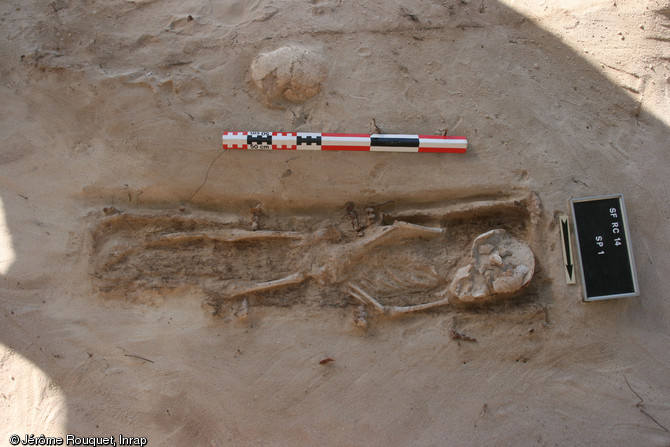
(311,141)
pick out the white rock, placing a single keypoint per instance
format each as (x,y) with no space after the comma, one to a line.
(289,73)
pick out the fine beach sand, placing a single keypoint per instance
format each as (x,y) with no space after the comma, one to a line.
(120,105)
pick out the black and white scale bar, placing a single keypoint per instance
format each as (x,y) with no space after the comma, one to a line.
(312,141)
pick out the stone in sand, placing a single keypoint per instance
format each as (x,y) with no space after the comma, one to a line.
(289,73)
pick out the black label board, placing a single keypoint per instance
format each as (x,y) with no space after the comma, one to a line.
(607,266)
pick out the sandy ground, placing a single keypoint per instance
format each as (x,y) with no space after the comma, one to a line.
(122,103)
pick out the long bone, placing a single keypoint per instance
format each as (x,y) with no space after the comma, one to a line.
(348,254)
(227,235)
(390,311)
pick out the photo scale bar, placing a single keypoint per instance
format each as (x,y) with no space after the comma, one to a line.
(312,141)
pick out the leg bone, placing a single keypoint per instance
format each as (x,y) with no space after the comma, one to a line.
(395,233)
(365,298)
(399,310)
(295,278)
